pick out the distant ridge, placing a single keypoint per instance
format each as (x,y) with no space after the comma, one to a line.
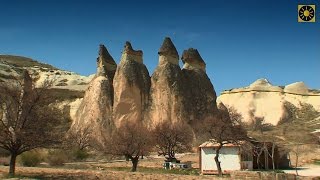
(21,61)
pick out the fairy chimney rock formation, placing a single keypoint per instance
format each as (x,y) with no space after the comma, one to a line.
(131,87)
(200,96)
(95,110)
(192,60)
(106,66)
(166,87)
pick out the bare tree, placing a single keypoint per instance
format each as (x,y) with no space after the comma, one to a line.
(171,138)
(27,120)
(131,141)
(235,116)
(81,139)
(297,149)
(222,130)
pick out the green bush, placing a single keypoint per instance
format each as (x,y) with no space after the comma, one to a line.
(30,159)
(57,157)
(80,154)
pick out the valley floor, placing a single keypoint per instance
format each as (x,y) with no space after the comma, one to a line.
(148,168)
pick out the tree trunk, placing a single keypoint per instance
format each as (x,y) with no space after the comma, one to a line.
(12,164)
(272,157)
(297,159)
(216,158)
(134,161)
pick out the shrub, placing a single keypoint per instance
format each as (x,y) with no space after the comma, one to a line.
(57,157)
(30,159)
(80,154)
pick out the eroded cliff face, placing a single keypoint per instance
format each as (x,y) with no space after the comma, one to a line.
(131,87)
(263,100)
(95,110)
(199,94)
(166,94)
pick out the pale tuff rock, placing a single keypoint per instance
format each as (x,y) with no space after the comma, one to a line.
(131,87)
(199,94)
(296,88)
(262,99)
(95,110)
(106,66)
(192,60)
(166,93)
(264,85)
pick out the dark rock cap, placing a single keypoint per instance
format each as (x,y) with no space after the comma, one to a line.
(168,48)
(128,49)
(105,55)
(192,56)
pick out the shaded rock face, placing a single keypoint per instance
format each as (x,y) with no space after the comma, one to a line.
(95,110)
(131,87)
(180,96)
(166,95)
(199,94)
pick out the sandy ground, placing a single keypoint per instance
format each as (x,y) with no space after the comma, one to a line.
(59,173)
(307,170)
(101,170)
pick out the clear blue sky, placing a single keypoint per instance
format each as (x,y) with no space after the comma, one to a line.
(240,41)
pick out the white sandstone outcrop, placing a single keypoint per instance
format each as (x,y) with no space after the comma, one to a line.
(262,99)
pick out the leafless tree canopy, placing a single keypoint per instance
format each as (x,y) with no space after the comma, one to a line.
(27,121)
(130,140)
(222,129)
(172,138)
(80,139)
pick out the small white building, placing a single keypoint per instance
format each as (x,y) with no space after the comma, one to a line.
(232,157)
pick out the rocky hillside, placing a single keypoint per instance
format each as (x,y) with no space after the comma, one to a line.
(12,66)
(68,87)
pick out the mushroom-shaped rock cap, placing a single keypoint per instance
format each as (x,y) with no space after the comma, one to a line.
(193,58)
(105,55)
(129,50)
(105,63)
(168,48)
(130,54)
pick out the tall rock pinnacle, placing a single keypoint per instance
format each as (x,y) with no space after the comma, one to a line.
(192,60)
(203,102)
(95,110)
(166,91)
(131,87)
(106,66)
